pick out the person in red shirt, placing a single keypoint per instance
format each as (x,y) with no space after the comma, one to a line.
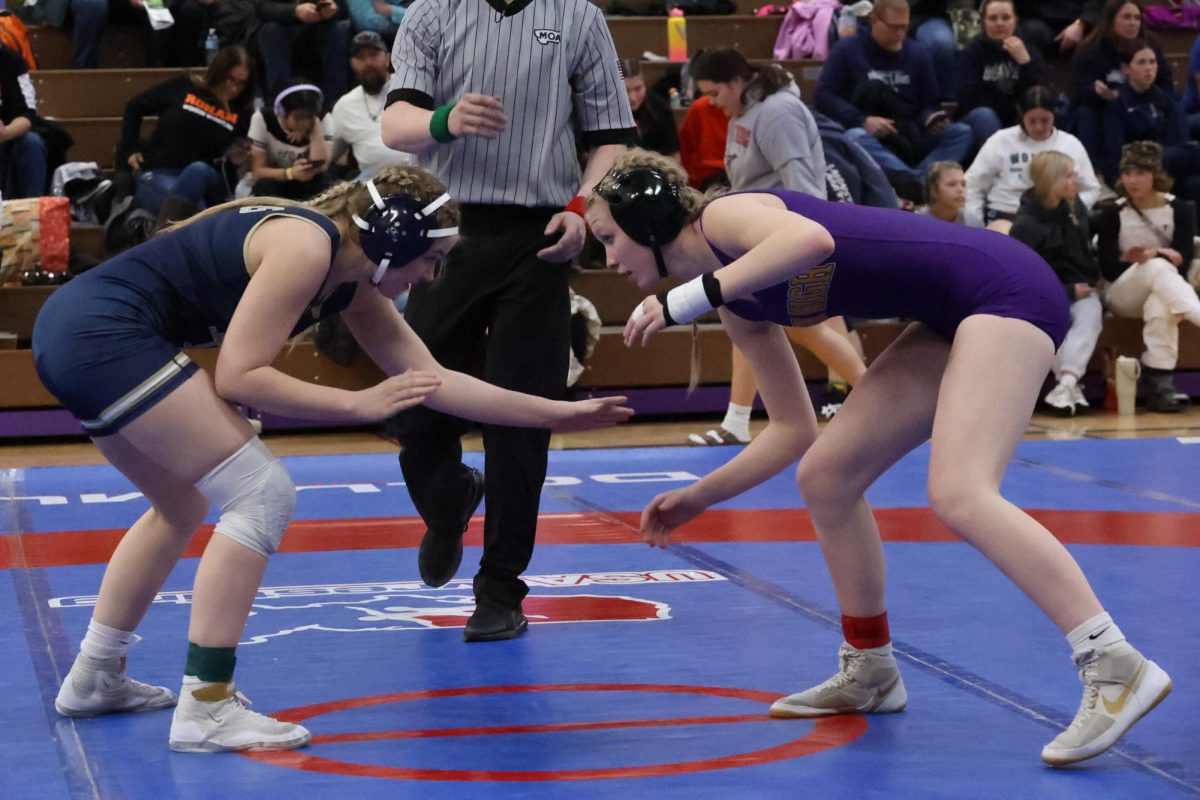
(702,144)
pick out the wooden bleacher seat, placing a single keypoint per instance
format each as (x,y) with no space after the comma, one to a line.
(67,93)
(96,138)
(746,7)
(754,36)
(90,104)
(121,46)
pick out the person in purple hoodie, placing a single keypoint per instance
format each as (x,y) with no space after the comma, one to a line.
(988,314)
(883,89)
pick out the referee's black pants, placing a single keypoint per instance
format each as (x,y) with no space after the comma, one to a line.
(502,314)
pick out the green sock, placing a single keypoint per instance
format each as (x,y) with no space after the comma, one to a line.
(210,664)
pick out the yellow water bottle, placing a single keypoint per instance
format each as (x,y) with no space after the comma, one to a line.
(677,36)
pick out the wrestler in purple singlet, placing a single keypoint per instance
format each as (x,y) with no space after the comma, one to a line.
(889,263)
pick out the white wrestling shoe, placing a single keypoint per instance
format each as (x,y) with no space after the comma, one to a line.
(866,683)
(100,686)
(215,717)
(1120,686)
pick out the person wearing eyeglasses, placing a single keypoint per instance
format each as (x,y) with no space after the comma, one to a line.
(884,90)
(199,119)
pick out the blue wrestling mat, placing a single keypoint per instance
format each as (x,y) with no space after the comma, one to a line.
(645,673)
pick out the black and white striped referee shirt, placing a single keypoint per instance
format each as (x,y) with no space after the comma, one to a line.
(553,65)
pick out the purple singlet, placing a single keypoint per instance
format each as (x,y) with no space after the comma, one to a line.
(888,263)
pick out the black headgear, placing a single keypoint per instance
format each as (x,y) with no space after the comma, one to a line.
(397,229)
(646,205)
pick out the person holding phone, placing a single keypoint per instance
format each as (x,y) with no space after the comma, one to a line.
(288,149)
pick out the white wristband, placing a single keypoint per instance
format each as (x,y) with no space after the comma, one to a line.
(688,301)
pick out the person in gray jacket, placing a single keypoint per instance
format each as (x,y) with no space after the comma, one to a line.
(773,140)
(773,143)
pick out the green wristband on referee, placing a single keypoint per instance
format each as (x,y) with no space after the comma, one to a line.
(439,124)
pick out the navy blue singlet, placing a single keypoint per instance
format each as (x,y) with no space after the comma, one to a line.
(108,343)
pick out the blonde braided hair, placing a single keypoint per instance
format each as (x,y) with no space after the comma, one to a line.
(341,201)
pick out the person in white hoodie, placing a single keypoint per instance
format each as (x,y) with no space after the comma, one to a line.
(999,175)
(773,143)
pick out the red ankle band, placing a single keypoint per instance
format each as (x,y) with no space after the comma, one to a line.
(866,632)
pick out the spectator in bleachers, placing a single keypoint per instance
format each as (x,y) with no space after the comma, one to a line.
(379,16)
(289,153)
(772,139)
(319,27)
(1096,69)
(994,70)
(179,45)
(999,176)
(655,120)
(1146,243)
(1054,222)
(1057,26)
(930,25)
(772,143)
(702,144)
(882,88)
(23,156)
(199,119)
(237,22)
(355,117)
(1144,111)
(945,192)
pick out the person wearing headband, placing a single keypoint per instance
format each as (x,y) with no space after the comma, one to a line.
(246,275)
(988,314)
(289,154)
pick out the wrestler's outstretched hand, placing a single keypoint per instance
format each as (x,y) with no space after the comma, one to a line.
(668,511)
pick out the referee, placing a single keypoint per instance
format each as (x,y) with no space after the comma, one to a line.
(490,95)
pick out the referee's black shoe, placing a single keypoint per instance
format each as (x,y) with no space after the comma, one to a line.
(493,622)
(442,548)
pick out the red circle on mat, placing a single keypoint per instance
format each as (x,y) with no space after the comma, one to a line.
(826,733)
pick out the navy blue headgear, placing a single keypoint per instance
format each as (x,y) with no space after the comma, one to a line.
(646,205)
(397,229)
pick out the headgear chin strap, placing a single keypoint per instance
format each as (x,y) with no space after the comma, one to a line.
(396,229)
(646,205)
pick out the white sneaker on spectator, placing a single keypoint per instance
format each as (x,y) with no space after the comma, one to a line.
(1061,400)
(1078,398)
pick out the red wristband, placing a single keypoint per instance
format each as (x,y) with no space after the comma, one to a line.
(577,205)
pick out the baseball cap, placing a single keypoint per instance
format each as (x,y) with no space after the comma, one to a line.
(365,39)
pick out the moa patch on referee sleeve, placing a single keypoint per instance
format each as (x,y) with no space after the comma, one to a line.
(546,36)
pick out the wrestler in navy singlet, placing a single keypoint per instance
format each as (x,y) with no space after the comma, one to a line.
(108,343)
(888,263)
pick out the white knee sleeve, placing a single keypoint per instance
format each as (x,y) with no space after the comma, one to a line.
(255,494)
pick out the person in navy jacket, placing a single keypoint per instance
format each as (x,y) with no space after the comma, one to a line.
(883,89)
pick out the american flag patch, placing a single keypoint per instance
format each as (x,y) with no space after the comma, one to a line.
(620,71)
